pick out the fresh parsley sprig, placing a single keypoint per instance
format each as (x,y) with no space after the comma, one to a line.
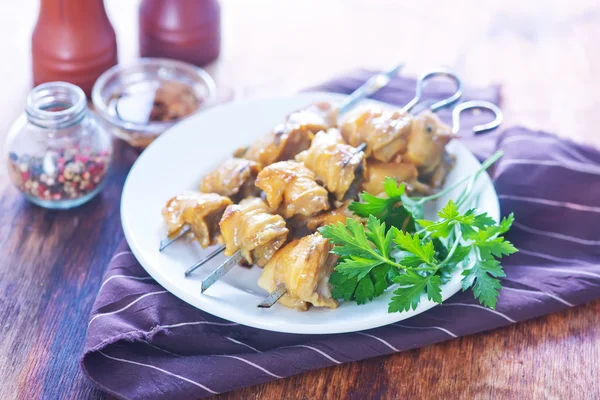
(397,246)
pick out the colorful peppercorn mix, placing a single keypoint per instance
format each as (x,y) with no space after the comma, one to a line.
(59,175)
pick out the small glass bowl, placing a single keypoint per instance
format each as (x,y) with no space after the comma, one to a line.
(141,100)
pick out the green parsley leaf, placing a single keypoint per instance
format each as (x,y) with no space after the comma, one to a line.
(351,288)
(412,285)
(486,284)
(408,295)
(372,285)
(365,290)
(450,216)
(380,277)
(497,247)
(343,286)
(349,239)
(371,205)
(356,266)
(450,211)
(506,223)
(434,288)
(378,235)
(392,188)
(412,243)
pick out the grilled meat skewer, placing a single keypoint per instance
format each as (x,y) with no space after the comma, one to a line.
(250,233)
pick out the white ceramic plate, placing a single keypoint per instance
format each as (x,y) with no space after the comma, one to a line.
(178,159)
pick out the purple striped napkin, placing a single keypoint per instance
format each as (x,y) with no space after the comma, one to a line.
(143,342)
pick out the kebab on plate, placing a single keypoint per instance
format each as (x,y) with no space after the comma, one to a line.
(402,142)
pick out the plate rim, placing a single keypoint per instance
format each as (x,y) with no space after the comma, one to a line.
(448,290)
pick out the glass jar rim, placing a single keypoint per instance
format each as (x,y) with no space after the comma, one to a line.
(48,94)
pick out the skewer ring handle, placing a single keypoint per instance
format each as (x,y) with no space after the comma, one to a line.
(477,104)
(447,102)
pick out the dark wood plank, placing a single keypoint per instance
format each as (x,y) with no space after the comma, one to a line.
(533,359)
(51,263)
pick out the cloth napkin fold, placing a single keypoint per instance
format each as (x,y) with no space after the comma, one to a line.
(144,343)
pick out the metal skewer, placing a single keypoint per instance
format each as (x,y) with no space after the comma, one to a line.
(361,147)
(358,149)
(273,297)
(221,270)
(209,257)
(372,85)
(166,242)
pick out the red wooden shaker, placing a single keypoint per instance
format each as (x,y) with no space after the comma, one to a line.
(187,30)
(73,41)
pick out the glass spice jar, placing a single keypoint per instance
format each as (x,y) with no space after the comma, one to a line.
(58,154)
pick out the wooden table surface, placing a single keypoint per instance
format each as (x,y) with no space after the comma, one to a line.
(544,53)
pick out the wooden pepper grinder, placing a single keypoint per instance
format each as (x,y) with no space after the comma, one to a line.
(73,41)
(187,30)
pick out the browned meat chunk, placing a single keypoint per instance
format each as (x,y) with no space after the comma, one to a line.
(200,211)
(291,189)
(252,229)
(427,144)
(234,178)
(384,132)
(401,172)
(337,165)
(334,216)
(303,266)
